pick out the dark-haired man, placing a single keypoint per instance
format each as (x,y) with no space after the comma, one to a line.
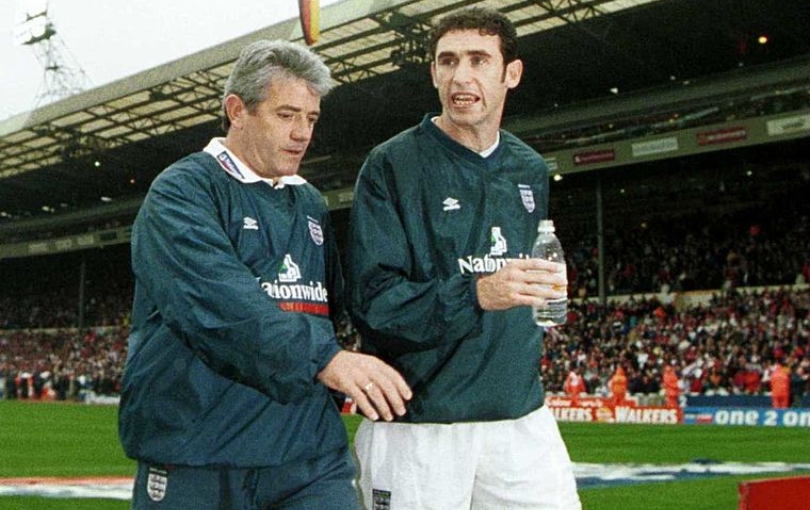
(441,287)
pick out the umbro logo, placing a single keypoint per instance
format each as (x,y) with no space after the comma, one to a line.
(250,224)
(451,204)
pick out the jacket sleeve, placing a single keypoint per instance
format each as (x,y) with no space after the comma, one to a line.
(184,260)
(395,299)
(334,275)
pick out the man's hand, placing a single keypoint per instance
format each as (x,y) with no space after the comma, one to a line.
(377,388)
(522,282)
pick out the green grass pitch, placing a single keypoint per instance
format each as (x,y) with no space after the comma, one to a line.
(69,440)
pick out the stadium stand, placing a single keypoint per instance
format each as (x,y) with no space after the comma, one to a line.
(688,238)
(723,345)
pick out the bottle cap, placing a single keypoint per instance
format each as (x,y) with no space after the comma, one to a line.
(545,226)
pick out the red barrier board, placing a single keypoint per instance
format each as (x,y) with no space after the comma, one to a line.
(791,493)
(618,414)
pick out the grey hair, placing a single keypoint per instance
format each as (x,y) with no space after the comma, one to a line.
(263,62)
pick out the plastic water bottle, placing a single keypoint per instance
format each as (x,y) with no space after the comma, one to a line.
(547,246)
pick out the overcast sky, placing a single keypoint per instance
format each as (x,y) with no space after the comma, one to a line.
(112,39)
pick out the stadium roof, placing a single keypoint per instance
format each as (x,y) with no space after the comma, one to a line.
(110,141)
(359,40)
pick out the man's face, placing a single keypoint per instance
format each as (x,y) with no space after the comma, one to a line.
(273,139)
(469,73)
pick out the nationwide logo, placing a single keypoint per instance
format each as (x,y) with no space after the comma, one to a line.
(297,297)
(289,272)
(450,204)
(491,262)
(480,265)
(498,243)
(250,224)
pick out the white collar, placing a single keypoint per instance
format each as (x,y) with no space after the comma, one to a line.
(240,171)
(489,150)
(484,153)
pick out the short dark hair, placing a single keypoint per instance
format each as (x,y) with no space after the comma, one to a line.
(486,20)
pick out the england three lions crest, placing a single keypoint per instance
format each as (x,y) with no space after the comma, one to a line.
(527,196)
(156,483)
(315,230)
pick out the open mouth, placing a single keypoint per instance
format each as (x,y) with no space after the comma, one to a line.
(464,99)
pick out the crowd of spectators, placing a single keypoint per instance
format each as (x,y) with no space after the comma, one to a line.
(755,257)
(764,241)
(727,346)
(62,364)
(71,363)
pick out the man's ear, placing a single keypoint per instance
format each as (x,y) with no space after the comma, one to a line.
(433,74)
(235,109)
(513,73)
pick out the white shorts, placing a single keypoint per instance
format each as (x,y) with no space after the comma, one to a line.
(500,465)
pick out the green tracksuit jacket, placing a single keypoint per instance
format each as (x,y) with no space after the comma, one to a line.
(429,216)
(235,284)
